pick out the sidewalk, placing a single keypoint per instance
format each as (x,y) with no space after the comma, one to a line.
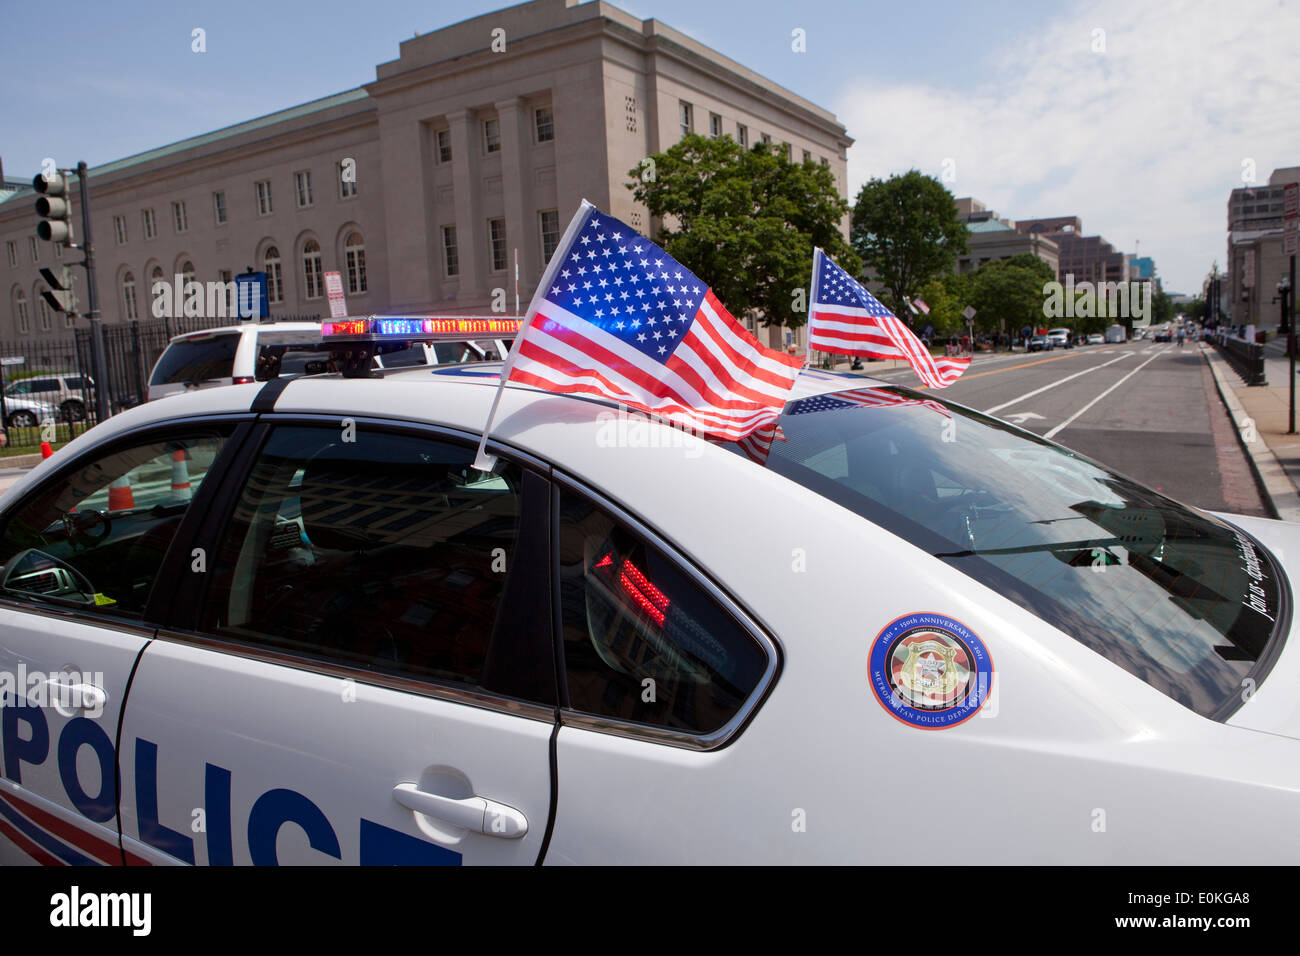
(1261,414)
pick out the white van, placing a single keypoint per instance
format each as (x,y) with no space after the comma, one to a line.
(1116,333)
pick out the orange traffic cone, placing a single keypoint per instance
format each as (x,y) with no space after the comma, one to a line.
(119,495)
(180,476)
(46,450)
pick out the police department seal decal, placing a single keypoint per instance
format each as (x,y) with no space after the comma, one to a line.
(930,670)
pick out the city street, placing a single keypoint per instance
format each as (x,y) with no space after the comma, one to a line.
(1149,411)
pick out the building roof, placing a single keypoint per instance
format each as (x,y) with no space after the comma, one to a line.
(989,225)
(204,139)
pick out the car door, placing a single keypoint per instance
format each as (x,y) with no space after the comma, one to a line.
(366,671)
(81,553)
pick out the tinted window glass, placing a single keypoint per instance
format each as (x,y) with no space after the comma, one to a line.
(110,522)
(382,551)
(642,642)
(1174,596)
(197,360)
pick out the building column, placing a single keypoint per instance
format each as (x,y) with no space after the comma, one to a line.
(516,139)
(471,231)
(402,156)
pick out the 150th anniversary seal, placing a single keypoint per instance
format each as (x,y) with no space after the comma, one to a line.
(930,670)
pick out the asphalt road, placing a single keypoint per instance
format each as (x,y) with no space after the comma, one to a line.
(1149,411)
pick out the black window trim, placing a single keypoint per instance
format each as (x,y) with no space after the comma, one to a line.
(746,620)
(182,627)
(160,595)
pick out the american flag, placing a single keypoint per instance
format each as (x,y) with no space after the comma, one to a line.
(847,319)
(861,398)
(616,316)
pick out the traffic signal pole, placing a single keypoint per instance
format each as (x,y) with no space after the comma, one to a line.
(97,347)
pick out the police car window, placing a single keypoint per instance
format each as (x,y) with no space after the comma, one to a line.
(97,537)
(381,551)
(642,642)
(1175,596)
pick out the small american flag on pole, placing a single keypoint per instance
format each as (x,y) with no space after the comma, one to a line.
(847,319)
(618,317)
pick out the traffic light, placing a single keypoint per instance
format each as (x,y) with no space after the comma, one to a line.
(54,208)
(59,295)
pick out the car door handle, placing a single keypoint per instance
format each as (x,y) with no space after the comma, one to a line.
(80,696)
(473,813)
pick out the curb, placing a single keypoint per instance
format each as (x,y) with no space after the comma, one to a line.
(1278,490)
(21,461)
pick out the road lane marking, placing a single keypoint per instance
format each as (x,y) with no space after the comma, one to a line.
(1012,368)
(1063,424)
(1061,381)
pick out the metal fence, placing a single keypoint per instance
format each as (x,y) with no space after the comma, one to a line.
(48,387)
(1246,358)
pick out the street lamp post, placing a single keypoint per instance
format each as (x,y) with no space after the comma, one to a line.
(1283,293)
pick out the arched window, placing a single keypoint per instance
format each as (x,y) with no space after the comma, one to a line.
(187,271)
(20,313)
(354,252)
(42,312)
(274,276)
(311,269)
(129,308)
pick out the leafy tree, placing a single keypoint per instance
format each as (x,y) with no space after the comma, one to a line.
(946,297)
(1194,310)
(745,221)
(907,231)
(1011,290)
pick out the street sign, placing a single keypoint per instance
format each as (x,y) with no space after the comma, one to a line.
(13,360)
(250,296)
(968,312)
(1290,236)
(334,289)
(1291,201)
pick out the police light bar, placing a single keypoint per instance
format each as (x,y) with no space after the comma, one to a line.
(415,328)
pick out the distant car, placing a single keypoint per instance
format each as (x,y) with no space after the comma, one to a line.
(1096,338)
(23,412)
(1162,334)
(1061,338)
(70,394)
(1040,343)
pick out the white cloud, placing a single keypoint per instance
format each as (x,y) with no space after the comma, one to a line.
(1143,141)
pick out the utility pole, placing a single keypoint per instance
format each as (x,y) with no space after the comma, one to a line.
(97,348)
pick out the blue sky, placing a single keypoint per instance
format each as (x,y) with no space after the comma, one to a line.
(1143,138)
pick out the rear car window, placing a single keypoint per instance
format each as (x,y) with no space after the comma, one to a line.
(1174,596)
(197,359)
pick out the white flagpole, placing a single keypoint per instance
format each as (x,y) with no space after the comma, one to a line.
(812,297)
(482,460)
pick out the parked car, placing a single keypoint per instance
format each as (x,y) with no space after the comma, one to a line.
(232,354)
(70,394)
(1040,343)
(23,412)
(1062,338)
(1096,338)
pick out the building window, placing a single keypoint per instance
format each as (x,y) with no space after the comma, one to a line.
(347,187)
(150,223)
(715,125)
(785,149)
(180,220)
(34,248)
(807,156)
(129,308)
(497,244)
(492,135)
(544,121)
(826,162)
(742,135)
(274,275)
(219,206)
(187,273)
(443,137)
(766,139)
(311,269)
(629,111)
(686,116)
(303,181)
(354,255)
(58,250)
(450,254)
(264,197)
(550,227)
(12,248)
(20,307)
(43,312)
(119,229)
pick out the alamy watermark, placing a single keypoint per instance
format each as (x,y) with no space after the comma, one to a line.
(67,691)
(1119,300)
(213,299)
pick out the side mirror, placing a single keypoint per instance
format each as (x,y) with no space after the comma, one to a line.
(43,575)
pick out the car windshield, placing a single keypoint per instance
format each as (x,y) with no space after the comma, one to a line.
(1174,596)
(197,359)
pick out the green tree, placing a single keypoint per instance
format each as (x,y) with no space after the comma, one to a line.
(745,221)
(907,232)
(1010,291)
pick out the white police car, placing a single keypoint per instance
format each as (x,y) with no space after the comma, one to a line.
(297,626)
